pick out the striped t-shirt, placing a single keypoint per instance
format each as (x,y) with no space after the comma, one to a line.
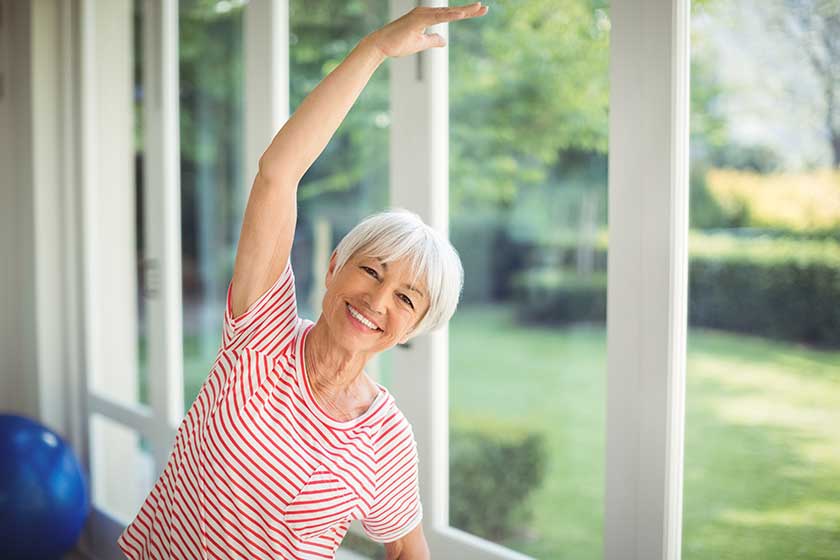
(259,470)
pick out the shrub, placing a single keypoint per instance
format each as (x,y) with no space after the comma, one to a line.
(488,254)
(493,469)
(781,288)
(558,296)
(794,201)
(757,158)
(706,211)
(492,473)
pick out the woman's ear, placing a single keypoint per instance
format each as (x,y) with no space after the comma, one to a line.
(331,267)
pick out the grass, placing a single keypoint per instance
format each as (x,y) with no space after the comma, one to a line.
(762,456)
(551,381)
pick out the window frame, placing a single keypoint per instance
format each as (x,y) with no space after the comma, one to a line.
(101,139)
(648,281)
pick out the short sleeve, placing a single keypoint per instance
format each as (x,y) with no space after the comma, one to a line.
(269,322)
(397,509)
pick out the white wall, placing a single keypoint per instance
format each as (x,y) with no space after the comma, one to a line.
(18,389)
(36,242)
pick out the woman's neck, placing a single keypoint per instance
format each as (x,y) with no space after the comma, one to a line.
(336,376)
(330,367)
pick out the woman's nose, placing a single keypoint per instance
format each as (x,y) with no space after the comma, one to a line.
(377,300)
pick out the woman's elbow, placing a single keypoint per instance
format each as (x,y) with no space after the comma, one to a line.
(413,546)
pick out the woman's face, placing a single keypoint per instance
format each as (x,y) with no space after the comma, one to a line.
(381,294)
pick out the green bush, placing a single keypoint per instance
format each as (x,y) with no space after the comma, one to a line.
(560,296)
(796,202)
(780,288)
(748,157)
(488,254)
(493,469)
(706,211)
(492,473)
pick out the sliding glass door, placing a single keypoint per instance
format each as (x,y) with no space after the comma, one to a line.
(528,128)
(762,458)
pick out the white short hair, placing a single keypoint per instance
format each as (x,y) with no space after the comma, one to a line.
(398,233)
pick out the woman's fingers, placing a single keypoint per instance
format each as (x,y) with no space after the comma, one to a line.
(405,35)
(442,15)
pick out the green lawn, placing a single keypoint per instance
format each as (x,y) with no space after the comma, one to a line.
(762,474)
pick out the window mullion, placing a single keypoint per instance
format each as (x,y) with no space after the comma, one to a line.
(647,287)
(266,106)
(162,219)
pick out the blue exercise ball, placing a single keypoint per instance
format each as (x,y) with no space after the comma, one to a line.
(43,495)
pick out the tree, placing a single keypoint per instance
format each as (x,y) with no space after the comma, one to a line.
(528,84)
(815,24)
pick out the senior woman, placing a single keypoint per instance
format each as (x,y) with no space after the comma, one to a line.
(289,440)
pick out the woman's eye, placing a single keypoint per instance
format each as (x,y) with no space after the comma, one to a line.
(407,300)
(370,271)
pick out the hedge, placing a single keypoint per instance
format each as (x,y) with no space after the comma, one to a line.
(785,289)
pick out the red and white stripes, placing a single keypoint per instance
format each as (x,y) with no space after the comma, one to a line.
(259,470)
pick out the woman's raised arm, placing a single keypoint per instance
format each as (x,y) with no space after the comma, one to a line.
(265,241)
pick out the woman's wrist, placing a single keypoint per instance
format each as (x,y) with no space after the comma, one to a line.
(369,47)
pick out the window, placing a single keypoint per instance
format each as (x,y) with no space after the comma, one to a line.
(213,195)
(118,376)
(528,96)
(762,467)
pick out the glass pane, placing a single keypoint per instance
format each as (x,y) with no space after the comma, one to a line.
(122,468)
(139,187)
(528,213)
(125,380)
(212,192)
(762,447)
(350,178)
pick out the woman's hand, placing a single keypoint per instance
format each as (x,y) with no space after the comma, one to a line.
(406,35)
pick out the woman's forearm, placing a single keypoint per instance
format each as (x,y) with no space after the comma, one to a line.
(305,135)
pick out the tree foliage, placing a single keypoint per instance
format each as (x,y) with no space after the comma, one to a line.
(527,83)
(815,26)
(529,95)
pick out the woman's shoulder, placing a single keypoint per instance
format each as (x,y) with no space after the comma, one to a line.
(282,343)
(392,424)
(293,346)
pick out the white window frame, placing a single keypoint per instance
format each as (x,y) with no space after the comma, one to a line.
(647,293)
(647,287)
(106,186)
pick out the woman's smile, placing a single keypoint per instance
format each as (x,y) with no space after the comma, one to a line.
(359,321)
